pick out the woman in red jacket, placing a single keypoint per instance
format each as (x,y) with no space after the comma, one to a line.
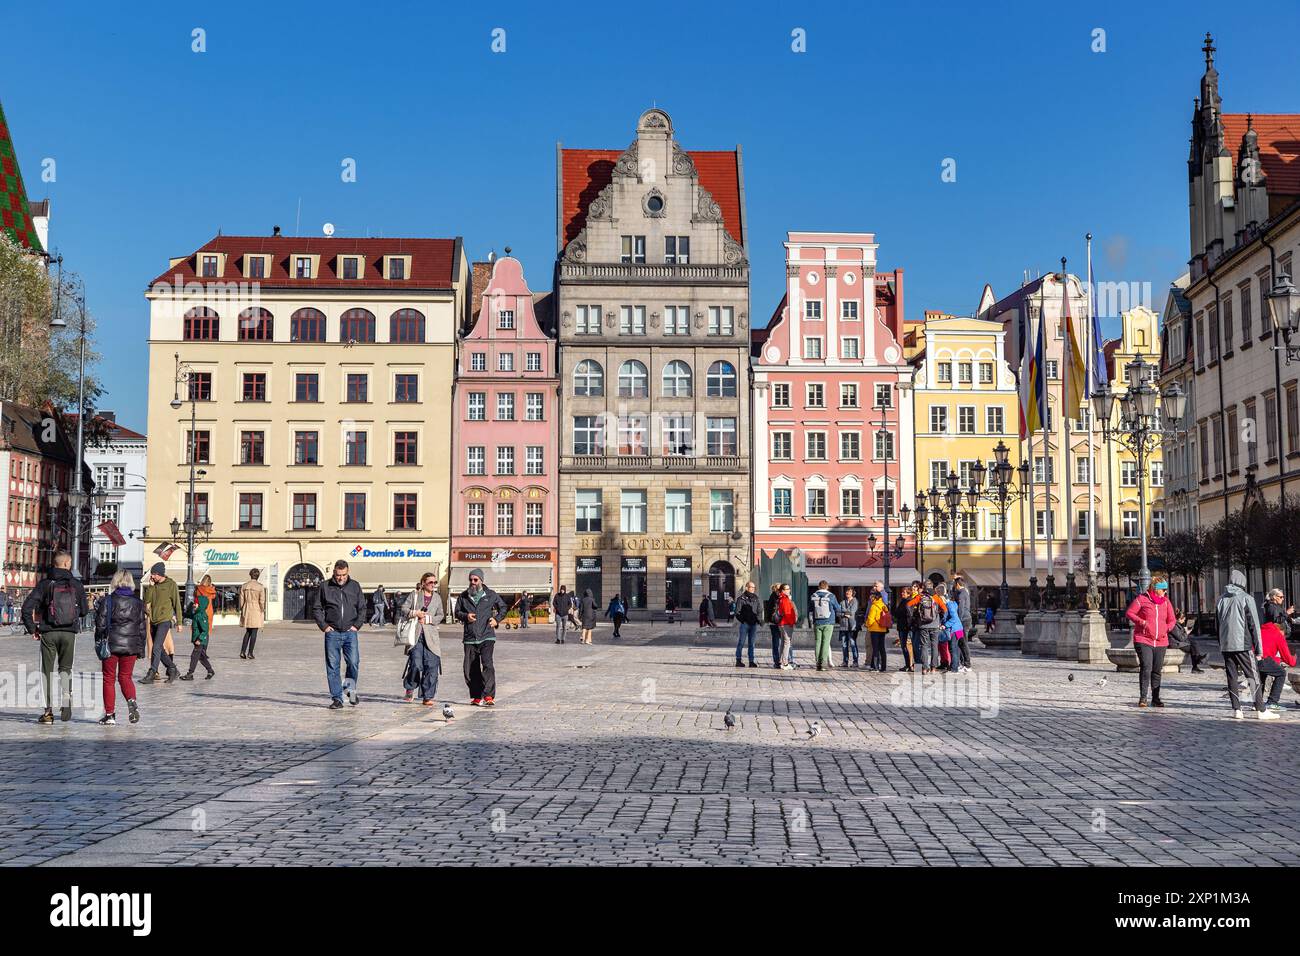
(1153,618)
(1276,653)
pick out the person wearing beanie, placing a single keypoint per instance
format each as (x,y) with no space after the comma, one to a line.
(162,601)
(480,610)
(1153,618)
(1240,643)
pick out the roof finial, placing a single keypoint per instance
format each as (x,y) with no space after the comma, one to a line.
(1209,51)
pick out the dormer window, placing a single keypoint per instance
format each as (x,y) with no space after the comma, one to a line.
(302,267)
(351,267)
(208,268)
(506,319)
(396,268)
(255,267)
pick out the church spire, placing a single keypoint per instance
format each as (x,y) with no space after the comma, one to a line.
(1210,81)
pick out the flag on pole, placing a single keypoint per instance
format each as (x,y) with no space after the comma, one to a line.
(1072,388)
(1033,393)
(165,550)
(109,530)
(1096,348)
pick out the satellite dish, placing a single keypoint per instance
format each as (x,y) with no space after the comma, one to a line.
(328,229)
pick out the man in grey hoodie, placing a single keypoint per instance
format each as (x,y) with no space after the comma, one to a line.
(1239,640)
(481,610)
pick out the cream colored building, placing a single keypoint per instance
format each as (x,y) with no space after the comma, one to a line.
(321,372)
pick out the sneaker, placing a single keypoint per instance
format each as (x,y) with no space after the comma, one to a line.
(46,718)
(353,699)
(787,667)
(211,674)
(108,720)
(489,702)
(172,675)
(429,703)
(1266,715)
(476,702)
(409,697)
(336,704)
(183,677)
(1142,703)
(133,712)
(1238,715)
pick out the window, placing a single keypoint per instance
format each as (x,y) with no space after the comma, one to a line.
(196,506)
(945,372)
(994,419)
(354,511)
(397,268)
(632,435)
(1128,474)
(476,460)
(678,434)
(198,446)
(1053,369)
(986,373)
(533,519)
(588,435)
(995,524)
(632,509)
(848,395)
(781,395)
(1270,429)
(351,267)
(885,501)
(405,325)
(1212,318)
(849,347)
(850,446)
(201,325)
(357,325)
(476,519)
(307,325)
(722,510)
(1042,522)
(816,502)
(588,510)
(851,502)
(533,362)
(633,380)
(304,511)
(631,320)
(884,446)
(534,460)
(404,511)
(966,419)
(252,448)
(815,395)
(849,310)
(302,267)
(677,320)
(477,407)
(677,511)
(1044,470)
(254,386)
(306,448)
(534,406)
(588,319)
(1157,524)
(505,319)
(1082,469)
(1252,445)
(306,387)
(884,395)
(812,347)
(1244,300)
(782,502)
(505,517)
(505,406)
(812,310)
(354,447)
(938,418)
(506,362)
(1226,308)
(677,379)
(1234,441)
(209,267)
(406,387)
(964,373)
(720,436)
(814,446)
(589,378)
(721,380)
(782,446)
(250,511)
(677,249)
(200,387)
(404,448)
(1081,527)
(1292,421)
(633,249)
(722,320)
(1130,524)
(256,325)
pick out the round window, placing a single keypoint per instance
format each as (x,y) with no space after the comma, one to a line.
(655,204)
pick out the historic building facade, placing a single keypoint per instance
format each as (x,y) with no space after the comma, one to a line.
(652,286)
(504,461)
(319,374)
(832,415)
(118,460)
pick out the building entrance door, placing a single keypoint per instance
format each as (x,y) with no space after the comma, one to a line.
(300,586)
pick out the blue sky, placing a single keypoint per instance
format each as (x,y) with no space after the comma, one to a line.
(157,147)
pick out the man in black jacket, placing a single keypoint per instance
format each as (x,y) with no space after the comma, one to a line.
(52,615)
(480,609)
(563,604)
(340,611)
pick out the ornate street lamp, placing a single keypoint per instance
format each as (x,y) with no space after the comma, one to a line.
(1284,310)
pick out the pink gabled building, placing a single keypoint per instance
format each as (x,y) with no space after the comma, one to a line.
(504,488)
(832,417)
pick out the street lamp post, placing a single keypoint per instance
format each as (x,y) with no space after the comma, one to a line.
(1001,492)
(191,525)
(1142,428)
(77,497)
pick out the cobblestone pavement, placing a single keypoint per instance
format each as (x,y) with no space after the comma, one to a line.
(618,754)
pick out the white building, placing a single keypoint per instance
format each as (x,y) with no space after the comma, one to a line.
(118,465)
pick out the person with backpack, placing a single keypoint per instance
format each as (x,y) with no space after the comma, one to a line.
(849,626)
(949,634)
(787,617)
(961,649)
(825,609)
(879,621)
(616,612)
(120,630)
(52,612)
(748,614)
(772,614)
(928,610)
(205,596)
(903,621)
(162,599)
(1241,644)
(562,604)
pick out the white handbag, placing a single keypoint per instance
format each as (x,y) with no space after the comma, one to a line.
(409,631)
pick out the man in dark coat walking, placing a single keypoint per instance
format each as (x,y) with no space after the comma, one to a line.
(480,609)
(340,611)
(60,600)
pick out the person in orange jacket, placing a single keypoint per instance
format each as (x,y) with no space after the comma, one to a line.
(928,611)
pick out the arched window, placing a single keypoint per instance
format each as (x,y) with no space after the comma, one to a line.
(677,379)
(256,325)
(633,380)
(406,325)
(589,378)
(202,325)
(357,325)
(307,325)
(721,380)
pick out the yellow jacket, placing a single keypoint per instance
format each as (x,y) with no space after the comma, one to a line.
(874,615)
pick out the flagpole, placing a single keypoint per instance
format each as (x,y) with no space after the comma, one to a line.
(1029,434)
(1094,598)
(1067,497)
(1048,482)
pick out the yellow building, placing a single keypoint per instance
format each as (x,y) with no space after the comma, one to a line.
(965,403)
(320,371)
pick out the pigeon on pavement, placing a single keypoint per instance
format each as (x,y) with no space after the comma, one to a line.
(729,720)
(447,711)
(814,729)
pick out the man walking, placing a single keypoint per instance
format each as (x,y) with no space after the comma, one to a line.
(480,609)
(562,604)
(378,605)
(162,601)
(525,608)
(928,610)
(60,602)
(825,609)
(252,612)
(1241,644)
(748,612)
(340,612)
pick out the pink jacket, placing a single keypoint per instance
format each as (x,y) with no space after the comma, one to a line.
(1153,619)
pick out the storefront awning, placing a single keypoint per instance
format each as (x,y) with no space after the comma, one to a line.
(391,574)
(226,576)
(506,579)
(860,577)
(992,577)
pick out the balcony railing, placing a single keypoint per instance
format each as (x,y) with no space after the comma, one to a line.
(644,272)
(643,463)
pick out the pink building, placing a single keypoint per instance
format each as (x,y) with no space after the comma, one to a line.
(832,417)
(504,488)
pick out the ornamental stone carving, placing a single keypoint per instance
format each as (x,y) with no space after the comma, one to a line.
(832,271)
(683,165)
(733,254)
(576,250)
(628,164)
(655,119)
(706,210)
(654,320)
(602,207)
(566,320)
(792,272)
(743,320)
(653,204)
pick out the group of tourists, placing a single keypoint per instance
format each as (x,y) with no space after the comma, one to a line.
(1254,652)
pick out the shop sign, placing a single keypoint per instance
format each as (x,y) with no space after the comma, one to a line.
(500,555)
(634,565)
(679,566)
(588,565)
(363,552)
(220,559)
(823,560)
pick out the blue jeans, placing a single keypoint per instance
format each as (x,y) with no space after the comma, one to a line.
(747,633)
(345,641)
(849,639)
(776,643)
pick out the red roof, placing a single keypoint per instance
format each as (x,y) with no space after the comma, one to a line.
(585,172)
(433,261)
(1279,147)
(116,431)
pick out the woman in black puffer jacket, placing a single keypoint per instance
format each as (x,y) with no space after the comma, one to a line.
(120,620)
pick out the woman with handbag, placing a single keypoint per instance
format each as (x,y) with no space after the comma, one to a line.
(418,628)
(205,596)
(120,631)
